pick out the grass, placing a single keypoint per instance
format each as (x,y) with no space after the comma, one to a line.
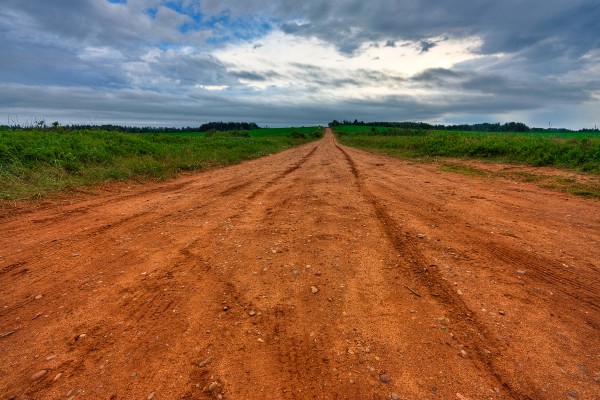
(573,151)
(35,163)
(580,151)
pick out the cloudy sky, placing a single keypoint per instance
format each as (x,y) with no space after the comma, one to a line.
(186,62)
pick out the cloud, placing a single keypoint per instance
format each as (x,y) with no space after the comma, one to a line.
(275,61)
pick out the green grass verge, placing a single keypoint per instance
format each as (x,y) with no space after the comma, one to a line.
(580,151)
(36,163)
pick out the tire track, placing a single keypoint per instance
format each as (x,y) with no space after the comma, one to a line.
(472,331)
(540,268)
(284,173)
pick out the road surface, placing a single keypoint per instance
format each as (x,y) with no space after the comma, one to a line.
(322,272)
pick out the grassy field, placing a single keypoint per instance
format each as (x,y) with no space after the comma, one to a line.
(571,151)
(35,163)
(580,151)
(263,132)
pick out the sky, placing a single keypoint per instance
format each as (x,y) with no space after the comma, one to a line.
(291,63)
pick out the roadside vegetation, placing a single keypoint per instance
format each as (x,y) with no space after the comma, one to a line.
(37,162)
(574,151)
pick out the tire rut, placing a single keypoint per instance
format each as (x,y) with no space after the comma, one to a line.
(473,332)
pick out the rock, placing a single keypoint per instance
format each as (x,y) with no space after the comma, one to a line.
(57,377)
(385,378)
(38,374)
(295,272)
(572,394)
(463,353)
(314,289)
(151,396)
(225,308)
(204,363)
(252,313)
(421,236)
(395,396)
(52,357)
(213,386)
(83,335)
(70,392)
(38,297)
(459,292)
(521,271)
(501,312)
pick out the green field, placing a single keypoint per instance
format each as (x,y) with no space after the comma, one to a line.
(573,150)
(35,163)
(263,132)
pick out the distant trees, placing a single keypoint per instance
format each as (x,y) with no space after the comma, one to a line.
(485,127)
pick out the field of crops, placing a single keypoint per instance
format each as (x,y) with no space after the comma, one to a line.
(34,163)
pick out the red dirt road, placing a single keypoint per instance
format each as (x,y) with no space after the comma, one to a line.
(429,285)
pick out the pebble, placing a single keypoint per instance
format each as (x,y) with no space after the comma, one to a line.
(521,271)
(70,392)
(151,396)
(501,312)
(39,296)
(252,313)
(295,272)
(57,376)
(463,353)
(395,396)
(39,374)
(459,292)
(571,393)
(213,386)
(385,378)
(314,289)
(82,336)
(420,236)
(225,308)
(52,357)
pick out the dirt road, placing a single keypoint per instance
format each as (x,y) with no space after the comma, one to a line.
(322,272)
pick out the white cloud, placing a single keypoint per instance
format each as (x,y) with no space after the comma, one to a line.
(310,64)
